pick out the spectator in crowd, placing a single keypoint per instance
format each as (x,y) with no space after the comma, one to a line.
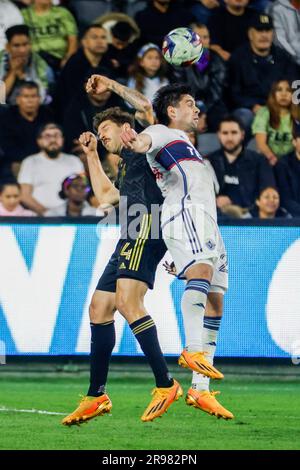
(19,125)
(206,79)
(74,190)
(241,173)
(148,73)
(121,50)
(42,174)
(228,27)
(78,115)
(91,56)
(273,123)
(53,32)
(18,64)
(254,67)
(287,173)
(160,17)
(10,15)
(267,206)
(203,10)
(286,17)
(10,198)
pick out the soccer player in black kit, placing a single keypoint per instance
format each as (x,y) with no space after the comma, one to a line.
(131,269)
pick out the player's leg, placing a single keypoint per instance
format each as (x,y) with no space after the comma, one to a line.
(199,394)
(193,307)
(130,303)
(101,312)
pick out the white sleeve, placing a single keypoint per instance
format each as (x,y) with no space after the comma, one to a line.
(26,173)
(160,136)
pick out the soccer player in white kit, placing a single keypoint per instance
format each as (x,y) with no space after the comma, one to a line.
(190,231)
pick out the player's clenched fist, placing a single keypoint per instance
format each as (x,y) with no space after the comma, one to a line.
(88,142)
(97,84)
(128,138)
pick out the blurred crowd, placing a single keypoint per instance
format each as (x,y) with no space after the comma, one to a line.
(246,85)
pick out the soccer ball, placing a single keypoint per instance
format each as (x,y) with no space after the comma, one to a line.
(182,47)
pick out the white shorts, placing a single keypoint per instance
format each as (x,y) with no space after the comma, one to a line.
(190,243)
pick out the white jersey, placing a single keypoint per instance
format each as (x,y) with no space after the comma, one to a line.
(180,171)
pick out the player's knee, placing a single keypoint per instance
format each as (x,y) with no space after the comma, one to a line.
(99,312)
(131,308)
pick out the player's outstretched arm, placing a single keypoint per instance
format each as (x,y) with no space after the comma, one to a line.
(104,190)
(144,112)
(139,143)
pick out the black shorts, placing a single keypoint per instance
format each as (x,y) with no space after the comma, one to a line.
(133,259)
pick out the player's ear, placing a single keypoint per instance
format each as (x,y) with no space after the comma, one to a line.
(171,112)
(126,126)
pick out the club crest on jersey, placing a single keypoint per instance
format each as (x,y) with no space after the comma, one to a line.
(210,244)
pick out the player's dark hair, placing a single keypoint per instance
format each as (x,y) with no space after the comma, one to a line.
(9,183)
(115,114)
(122,31)
(166,96)
(17,30)
(231,118)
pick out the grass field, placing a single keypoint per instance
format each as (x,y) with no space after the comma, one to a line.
(265,402)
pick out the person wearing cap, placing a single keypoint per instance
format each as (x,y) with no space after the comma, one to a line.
(148,72)
(41,174)
(18,63)
(287,172)
(286,18)
(254,67)
(228,27)
(74,191)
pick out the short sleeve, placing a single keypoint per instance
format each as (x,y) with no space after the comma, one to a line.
(159,136)
(261,121)
(26,173)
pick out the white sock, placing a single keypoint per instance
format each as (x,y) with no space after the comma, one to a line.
(209,341)
(193,307)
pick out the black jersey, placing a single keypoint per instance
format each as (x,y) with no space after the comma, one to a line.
(139,193)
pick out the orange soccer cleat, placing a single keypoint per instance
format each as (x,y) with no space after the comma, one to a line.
(206,401)
(89,407)
(162,399)
(197,362)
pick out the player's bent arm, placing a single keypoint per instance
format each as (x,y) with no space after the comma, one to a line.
(143,106)
(139,143)
(104,190)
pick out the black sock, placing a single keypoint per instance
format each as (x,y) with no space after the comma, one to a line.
(102,343)
(145,332)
